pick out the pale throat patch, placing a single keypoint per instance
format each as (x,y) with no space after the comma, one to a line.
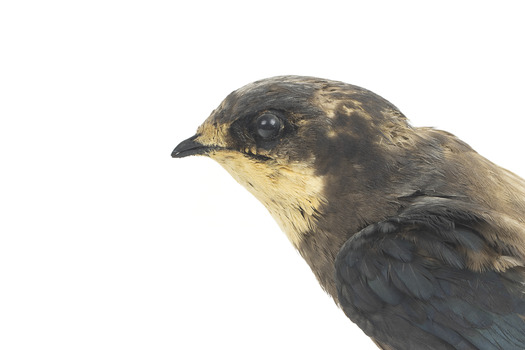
(291,193)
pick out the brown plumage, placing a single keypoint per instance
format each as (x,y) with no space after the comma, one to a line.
(418,238)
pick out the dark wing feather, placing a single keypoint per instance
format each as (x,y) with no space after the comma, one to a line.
(407,283)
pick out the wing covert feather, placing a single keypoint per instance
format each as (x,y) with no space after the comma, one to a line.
(406,283)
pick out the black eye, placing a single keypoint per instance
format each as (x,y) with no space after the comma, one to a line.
(268,125)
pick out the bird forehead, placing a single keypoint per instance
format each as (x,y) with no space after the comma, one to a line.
(258,96)
(212,133)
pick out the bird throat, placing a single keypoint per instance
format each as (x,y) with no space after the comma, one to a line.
(291,193)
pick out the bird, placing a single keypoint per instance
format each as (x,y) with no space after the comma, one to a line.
(419,239)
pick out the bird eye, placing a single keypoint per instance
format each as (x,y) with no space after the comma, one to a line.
(268,125)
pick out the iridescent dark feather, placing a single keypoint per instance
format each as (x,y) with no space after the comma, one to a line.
(405,282)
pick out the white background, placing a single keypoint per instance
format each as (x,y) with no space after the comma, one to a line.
(108,243)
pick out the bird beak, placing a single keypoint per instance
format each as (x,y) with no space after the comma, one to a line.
(190,147)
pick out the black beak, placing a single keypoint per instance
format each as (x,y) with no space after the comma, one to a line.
(190,147)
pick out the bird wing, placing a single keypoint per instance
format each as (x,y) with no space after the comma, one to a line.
(408,283)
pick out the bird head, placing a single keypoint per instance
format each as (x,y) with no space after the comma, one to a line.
(285,138)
